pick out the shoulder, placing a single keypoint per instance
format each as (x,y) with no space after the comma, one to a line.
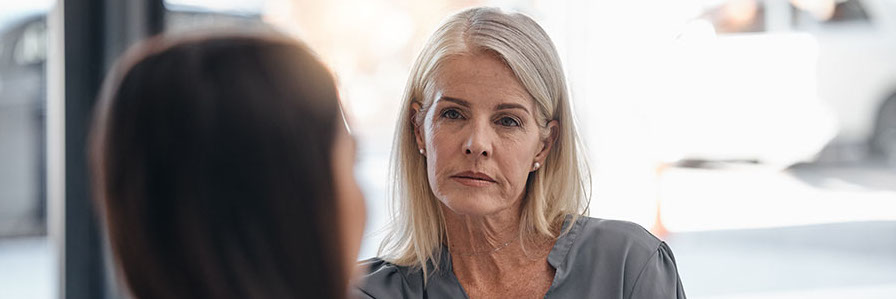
(616,235)
(599,258)
(615,256)
(379,267)
(618,245)
(387,280)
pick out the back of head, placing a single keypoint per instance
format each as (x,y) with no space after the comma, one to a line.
(211,163)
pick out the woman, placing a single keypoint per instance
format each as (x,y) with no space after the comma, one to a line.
(223,169)
(489,186)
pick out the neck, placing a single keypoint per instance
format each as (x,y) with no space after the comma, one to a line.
(491,241)
(480,233)
(488,254)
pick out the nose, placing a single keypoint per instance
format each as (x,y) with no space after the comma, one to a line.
(478,142)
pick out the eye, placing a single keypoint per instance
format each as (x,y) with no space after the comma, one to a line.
(451,114)
(508,122)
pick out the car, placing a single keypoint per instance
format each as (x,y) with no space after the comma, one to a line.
(803,80)
(22,127)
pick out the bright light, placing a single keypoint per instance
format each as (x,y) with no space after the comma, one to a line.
(12,10)
(244,6)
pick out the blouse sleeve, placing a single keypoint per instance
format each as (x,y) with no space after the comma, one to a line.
(386,280)
(659,277)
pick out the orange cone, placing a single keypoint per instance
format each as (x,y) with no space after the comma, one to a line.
(658,229)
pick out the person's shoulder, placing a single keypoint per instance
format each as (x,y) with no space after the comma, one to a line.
(613,256)
(615,235)
(384,279)
(380,271)
(378,266)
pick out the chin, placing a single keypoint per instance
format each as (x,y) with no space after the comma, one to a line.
(471,205)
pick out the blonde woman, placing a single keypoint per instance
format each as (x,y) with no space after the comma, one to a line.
(489,185)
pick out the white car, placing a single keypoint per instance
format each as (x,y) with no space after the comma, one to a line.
(781,80)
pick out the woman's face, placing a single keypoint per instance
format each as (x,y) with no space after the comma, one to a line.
(350,201)
(480,135)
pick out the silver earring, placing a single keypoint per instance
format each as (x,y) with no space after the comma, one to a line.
(537,165)
(422,152)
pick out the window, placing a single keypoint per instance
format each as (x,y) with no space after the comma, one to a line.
(32,47)
(27,267)
(22,133)
(182,15)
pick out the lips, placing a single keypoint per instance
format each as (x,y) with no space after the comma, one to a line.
(475,176)
(473,179)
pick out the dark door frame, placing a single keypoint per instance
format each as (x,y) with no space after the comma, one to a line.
(95,33)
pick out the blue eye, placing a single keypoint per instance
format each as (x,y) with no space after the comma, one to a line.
(508,122)
(451,114)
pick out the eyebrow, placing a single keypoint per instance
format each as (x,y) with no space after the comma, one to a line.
(511,106)
(498,107)
(455,100)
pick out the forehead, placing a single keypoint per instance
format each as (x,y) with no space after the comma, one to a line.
(478,79)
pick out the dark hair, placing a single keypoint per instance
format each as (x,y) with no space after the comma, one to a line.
(211,161)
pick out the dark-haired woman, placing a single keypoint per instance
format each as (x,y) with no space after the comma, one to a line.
(222,166)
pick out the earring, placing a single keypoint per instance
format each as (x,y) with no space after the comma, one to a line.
(537,165)
(422,152)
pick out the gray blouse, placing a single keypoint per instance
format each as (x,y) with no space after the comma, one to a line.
(597,258)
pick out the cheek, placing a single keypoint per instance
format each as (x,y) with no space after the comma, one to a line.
(516,154)
(514,166)
(356,206)
(353,216)
(441,145)
(350,202)
(357,210)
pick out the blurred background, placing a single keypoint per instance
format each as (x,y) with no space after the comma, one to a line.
(758,138)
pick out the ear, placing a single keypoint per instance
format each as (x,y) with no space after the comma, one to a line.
(418,134)
(548,142)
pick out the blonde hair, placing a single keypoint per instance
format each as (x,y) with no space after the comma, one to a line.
(559,188)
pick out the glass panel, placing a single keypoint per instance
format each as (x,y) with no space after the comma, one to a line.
(27,267)
(770,149)
(766,160)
